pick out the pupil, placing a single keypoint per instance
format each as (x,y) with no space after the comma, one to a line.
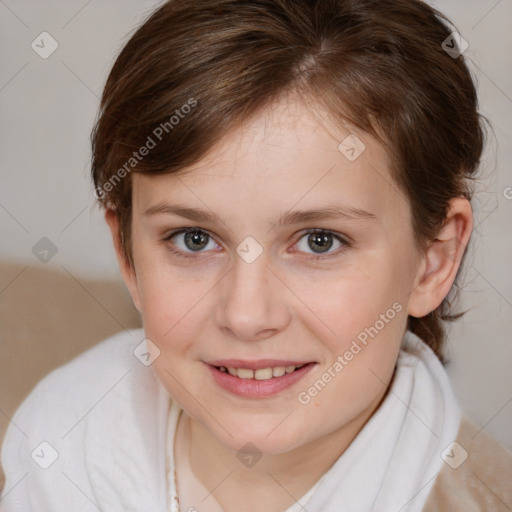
(198,240)
(321,240)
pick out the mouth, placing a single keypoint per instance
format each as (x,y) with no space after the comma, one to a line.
(257,379)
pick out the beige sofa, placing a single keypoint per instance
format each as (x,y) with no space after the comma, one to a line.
(47,317)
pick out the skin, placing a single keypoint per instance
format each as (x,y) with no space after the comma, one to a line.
(292,302)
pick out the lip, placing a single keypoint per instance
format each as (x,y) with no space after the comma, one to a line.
(252,388)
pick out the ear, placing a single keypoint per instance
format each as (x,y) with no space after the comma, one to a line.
(441,261)
(127,270)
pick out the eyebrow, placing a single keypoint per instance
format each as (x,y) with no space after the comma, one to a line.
(291,217)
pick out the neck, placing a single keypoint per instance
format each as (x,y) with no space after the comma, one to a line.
(275,482)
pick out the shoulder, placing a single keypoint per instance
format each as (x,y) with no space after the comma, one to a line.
(53,417)
(84,376)
(476,475)
(83,371)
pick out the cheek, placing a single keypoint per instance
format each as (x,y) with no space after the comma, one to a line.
(171,306)
(169,293)
(366,325)
(360,318)
(352,299)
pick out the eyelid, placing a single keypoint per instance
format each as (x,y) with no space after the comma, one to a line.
(188,229)
(342,238)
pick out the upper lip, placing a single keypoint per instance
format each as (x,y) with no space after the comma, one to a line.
(256,365)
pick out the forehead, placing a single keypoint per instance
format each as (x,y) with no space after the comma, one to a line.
(290,154)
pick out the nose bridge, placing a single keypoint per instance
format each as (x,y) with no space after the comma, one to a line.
(251,304)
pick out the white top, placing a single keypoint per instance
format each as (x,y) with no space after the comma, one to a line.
(92,435)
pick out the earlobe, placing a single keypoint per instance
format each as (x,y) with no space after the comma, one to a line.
(127,270)
(442,259)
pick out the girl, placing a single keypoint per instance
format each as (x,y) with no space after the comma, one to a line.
(287,187)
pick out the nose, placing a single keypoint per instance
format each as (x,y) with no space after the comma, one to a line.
(253,304)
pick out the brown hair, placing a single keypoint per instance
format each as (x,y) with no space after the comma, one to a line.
(378,64)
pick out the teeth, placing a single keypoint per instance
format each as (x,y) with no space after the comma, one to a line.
(244,373)
(278,371)
(261,373)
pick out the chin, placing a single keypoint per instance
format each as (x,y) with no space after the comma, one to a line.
(270,438)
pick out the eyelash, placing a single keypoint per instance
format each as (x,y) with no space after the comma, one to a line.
(182,254)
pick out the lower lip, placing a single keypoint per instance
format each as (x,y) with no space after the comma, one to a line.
(252,388)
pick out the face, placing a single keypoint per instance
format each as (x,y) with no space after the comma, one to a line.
(258,285)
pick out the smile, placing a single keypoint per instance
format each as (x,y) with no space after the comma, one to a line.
(257,379)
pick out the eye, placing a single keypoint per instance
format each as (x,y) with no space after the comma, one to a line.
(189,241)
(320,241)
